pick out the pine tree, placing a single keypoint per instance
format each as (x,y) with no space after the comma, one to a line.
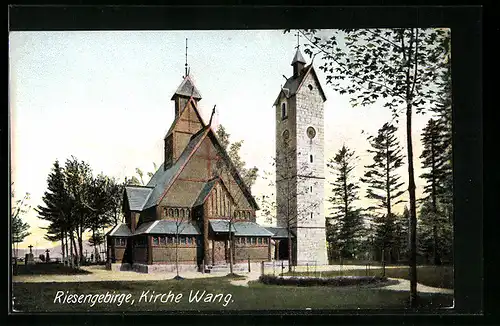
(397,68)
(55,208)
(346,220)
(436,161)
(384,186)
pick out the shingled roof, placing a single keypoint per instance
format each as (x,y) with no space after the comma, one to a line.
(137,196)
(167,227)
(293,84)
(162,179)
(279,232)
(187,88)
(202,196)
(239,228)
(120,230)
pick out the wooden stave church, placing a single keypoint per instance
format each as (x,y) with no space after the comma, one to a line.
(190,196)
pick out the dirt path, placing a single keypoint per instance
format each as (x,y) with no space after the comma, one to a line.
(402,285)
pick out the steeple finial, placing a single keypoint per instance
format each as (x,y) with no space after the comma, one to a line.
(186,64)
(298,39)
(211,116)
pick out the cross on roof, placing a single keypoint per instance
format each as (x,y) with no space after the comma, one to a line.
(298,39)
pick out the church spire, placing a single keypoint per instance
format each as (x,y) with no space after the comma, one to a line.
(298,61)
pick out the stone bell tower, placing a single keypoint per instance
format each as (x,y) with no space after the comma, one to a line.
(300,174)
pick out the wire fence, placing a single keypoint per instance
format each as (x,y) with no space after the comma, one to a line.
(313,269)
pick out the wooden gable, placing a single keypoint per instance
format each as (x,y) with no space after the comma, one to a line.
(202,166)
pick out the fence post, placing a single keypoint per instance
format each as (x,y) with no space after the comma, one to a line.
(249,264)
(262,268)
(282,268)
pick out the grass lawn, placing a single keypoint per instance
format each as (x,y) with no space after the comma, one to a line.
(41,297)
(435,276)
(48,269)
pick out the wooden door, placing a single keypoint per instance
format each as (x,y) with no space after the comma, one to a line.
(219,251)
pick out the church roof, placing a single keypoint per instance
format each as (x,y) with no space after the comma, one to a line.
(293,84)
(205,191)
(279,232)
(298,57)
(162,179)
(239,228)
(137,196)
(188,89)
(120,230)
(167,227)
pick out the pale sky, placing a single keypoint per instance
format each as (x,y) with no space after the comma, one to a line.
(104,97)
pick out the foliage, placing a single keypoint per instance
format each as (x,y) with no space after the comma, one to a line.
(320,281)
(384,185)
(249,175)
(397,68)
(19,229)
(75,202)
(346,221)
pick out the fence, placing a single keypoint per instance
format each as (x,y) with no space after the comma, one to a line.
(312,269)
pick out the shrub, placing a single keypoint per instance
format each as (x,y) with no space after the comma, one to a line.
(322,281)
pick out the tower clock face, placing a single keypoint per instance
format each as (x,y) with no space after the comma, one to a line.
(311,132)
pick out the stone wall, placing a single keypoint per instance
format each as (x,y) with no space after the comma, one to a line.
(307,201)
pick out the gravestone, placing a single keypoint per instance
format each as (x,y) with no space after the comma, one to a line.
(29,259)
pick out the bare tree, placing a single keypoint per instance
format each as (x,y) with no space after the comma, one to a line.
(289,187)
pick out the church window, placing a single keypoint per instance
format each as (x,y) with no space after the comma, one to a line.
(176,212)
(284,114)
(170,212)
(190,240)
(311,189)
(310,87)
(253,240)
(286,135)
(260,240)
(265,240)
(311,132)
(248,215)
(311,215)
(163,241)
(155,241)
(310,158)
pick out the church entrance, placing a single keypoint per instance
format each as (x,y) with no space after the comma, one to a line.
(219,249)
(282,253)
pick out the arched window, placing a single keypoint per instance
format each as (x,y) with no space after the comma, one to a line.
(248,215)
(284,114)
(170,212)
(176,212)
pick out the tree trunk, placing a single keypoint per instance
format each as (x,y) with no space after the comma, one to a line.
(62,246)
(71,259)
(80,245)
(230,250)
(177,252)
(413,210)
(289,248)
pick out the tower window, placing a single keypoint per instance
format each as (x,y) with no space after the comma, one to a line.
(310,158)
(311,215)
(311,189)
(284,114)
